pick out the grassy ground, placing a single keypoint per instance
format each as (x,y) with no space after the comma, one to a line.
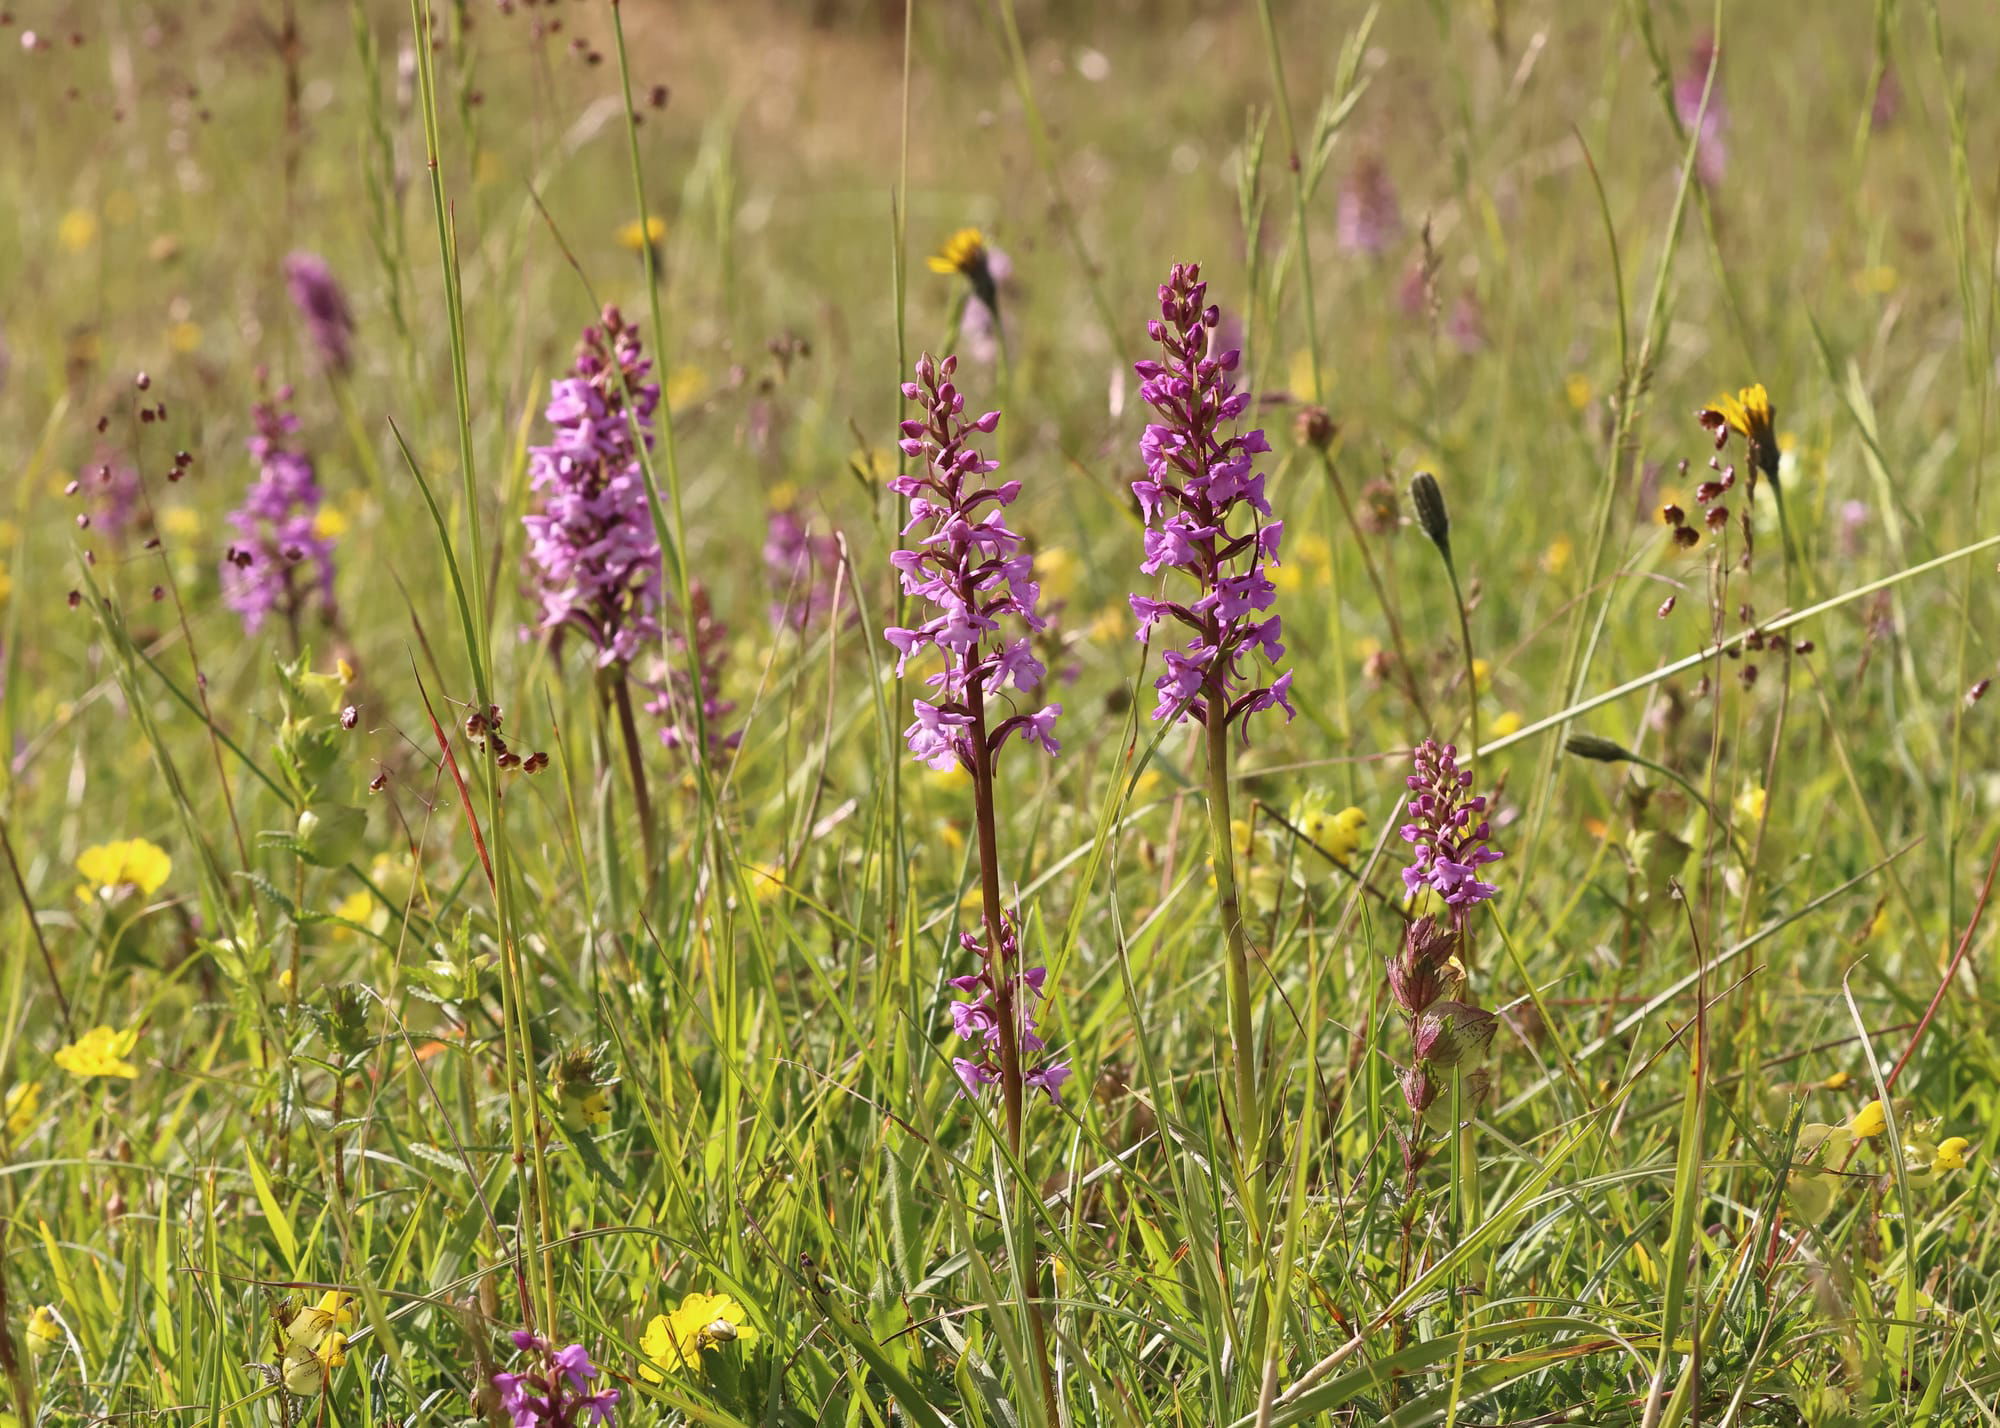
(485,1049)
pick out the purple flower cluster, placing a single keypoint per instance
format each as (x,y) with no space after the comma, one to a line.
(316,294)
(556,1394)
(978,1020)
(1197,483)
(802,565)
(1711,152)
(591,549)
(972,570)
(1451,846)
(275,526)
(1367,218)
(675,694)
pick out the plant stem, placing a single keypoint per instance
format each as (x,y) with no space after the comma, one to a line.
(1471,681)
(1408,670)
(642,800)
(1243,1046)
(1001,975)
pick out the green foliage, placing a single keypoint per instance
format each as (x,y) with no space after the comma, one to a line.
(463,1039)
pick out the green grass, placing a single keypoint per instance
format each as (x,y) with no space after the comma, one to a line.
(355,1092)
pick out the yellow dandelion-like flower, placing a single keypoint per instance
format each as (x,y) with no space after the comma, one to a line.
(636,237)
(24,1099)
(675,1342)
(44,1330)
(78,229)
(1751,416)
(101,1051)
(1870,1120)
(1508,722)
(963,252)
(109,869)
(330,523)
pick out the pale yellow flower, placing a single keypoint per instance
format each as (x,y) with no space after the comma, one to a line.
(78,229)
(1506,723)
(44,1330)
(101,1051)
(1578,389)
(24,1099)
(1870,1120)
(112,868)
(1750,805)
(1555,560)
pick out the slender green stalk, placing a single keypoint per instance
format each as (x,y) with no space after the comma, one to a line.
(1248,1109)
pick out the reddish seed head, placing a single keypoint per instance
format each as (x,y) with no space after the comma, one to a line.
(1673,515)
(1667,606)
(1978,691)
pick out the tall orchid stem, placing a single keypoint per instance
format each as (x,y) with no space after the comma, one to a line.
(1243,1045)
(642,799)
(1001,977)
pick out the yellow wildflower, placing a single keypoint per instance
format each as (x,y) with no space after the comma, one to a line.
(44,1330)
(767,881)
(1836,1082)
(1875,280)
(1751,416)
(1111,623)
(78,229)
(1555,560)
(963,252)
(637,237)
(24,1098)
(183,521)
(675,1342)
(1482,675)
(1577,388)
(184,336)
(1750,805)
(356,907)
(330,523)
(100,1051)
(686,384)
(1507,723)
(1870,1120)
(1339,834)
(112,868)
(1951,1153)
(587,1111)
(1056,568)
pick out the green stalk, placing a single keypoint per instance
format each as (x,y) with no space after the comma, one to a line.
(1242,1037)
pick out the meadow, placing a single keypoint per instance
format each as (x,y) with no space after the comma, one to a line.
(1008,714)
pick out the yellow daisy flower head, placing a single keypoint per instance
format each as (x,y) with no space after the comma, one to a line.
(24,1099)
(675,1342)
(101,1051)
(112,869)
(1751,416)
(44,1330)
(965,252)
(636,237)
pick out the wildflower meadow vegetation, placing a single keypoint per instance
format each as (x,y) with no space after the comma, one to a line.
(1009,714)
